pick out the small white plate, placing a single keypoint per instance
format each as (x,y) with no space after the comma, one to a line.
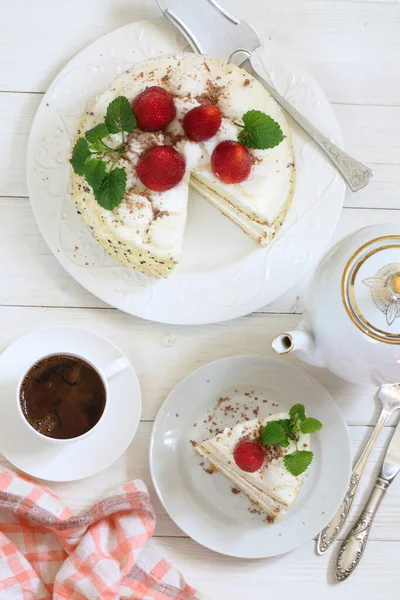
(81,458)
(203,504)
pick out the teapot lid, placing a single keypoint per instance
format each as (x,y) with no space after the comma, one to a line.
(371,288)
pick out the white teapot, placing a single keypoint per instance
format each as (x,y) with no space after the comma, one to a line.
(351,324)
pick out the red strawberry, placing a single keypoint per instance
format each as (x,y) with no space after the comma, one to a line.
(154,108)
(161,168)
(202,122)
(249,456)
(231,162)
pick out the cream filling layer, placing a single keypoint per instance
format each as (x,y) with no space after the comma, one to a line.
(260,497)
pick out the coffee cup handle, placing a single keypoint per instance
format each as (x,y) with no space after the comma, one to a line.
(116,366)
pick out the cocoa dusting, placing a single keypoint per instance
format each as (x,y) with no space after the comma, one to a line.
(157,214)
(272,452)
(145,138)
(270,519)
(171,139)
(254,511)
(212,94)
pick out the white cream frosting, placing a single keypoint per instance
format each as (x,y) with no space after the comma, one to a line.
(272,487)
(262,196)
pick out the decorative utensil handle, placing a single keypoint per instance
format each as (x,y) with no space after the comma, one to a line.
(355,174)
(353,546)
(329,534)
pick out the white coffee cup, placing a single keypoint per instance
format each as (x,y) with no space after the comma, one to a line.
(105,374)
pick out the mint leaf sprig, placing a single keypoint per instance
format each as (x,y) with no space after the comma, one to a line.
(107,181)
(283,431)
(259,131)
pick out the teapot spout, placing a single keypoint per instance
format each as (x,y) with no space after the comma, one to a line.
(300,343)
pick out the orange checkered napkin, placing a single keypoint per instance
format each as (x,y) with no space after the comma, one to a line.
(48,552)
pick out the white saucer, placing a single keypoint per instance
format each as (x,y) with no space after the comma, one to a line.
(82,458)
(203,504)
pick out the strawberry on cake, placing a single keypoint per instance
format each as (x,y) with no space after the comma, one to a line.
(164,125)
(265,458)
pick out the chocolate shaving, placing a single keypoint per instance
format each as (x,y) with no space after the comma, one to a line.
(212,94)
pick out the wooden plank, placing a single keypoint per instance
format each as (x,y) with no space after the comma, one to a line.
(31,273)
(164,354)
(29,261)
(382,191)
(300,574)
(133,464)
(349,46)
(370,133)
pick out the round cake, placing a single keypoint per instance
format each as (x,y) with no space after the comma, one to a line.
(251,186)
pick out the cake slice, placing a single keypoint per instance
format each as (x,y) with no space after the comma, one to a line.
(271,486)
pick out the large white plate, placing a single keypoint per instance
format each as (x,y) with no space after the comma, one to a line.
(223,274)
(203,505)
(80,458)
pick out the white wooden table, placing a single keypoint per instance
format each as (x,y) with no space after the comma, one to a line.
(353,49)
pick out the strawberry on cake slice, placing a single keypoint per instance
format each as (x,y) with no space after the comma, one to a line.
(265,458)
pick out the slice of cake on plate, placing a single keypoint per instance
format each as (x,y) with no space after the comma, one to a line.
(256,469)
(194,121)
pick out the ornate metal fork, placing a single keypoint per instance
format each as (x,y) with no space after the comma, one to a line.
(389,396)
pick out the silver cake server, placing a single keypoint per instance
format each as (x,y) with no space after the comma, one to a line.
(212,30)
(353,546)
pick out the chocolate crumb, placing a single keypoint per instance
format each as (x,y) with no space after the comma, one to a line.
(193,443)
(212,94)
(253,510)
(235,491)
(210,471)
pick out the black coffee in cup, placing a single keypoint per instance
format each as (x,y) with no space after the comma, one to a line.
(62,396)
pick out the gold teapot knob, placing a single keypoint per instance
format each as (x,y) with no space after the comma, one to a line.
(395,283)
